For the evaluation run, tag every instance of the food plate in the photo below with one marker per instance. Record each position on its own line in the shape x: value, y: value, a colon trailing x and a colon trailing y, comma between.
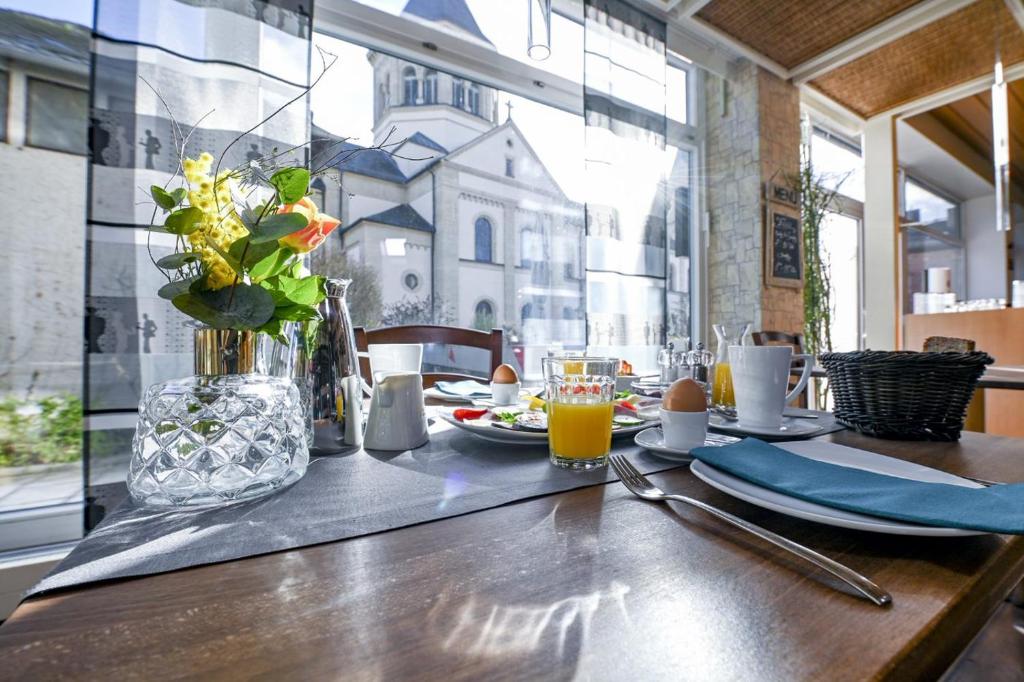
x: 654, y: 440
x: 435, y: 394
x: 487, y: 429
x: 843, y: 456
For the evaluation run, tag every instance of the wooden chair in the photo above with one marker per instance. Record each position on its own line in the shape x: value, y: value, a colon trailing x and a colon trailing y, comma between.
x: 425, y: 333
x: 796, y: 341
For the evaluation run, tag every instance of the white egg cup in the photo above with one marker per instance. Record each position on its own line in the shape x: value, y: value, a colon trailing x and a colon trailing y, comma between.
x: 684, y: 430
x: 505, y: 394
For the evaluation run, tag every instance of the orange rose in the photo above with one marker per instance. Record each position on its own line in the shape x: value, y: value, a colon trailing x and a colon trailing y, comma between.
x: 314, y: 233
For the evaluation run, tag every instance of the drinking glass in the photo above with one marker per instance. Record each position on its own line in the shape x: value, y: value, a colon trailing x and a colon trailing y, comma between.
x: 580, y: 395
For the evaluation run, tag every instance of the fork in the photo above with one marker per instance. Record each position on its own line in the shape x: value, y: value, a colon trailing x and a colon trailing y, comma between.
x: 640, y: 486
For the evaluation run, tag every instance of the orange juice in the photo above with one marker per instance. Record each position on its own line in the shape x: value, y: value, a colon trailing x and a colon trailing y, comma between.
x: 580, y: 430
x: 721, y: 389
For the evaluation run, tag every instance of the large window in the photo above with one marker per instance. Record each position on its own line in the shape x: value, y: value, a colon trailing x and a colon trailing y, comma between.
x: 491, y: 177
x: 57, y: 116
x: 838, y: 165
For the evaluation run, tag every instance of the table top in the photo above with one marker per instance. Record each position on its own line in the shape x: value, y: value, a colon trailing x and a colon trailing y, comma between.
x: 590, y: 583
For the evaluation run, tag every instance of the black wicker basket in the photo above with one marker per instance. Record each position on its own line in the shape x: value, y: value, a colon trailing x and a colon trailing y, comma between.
x: 904, y: 395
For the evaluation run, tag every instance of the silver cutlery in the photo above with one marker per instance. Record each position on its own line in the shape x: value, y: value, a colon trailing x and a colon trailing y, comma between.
x: 640, y: 486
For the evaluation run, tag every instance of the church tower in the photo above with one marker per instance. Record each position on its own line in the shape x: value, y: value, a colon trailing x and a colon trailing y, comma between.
x: 415, y: 99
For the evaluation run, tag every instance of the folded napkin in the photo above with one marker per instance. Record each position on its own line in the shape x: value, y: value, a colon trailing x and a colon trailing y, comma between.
x: 464, y: 389
x: 998, y: 509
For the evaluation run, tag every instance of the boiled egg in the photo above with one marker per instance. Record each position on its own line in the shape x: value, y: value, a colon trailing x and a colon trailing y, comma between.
x: 505, y: 374
x: 684, y: 395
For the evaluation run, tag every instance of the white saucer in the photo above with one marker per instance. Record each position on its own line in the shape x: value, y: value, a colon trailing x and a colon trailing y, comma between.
x: 654, y: 440
x: 791, y: 428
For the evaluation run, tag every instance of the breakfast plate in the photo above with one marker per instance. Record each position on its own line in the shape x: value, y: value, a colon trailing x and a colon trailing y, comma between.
x: 500, y: 432
x: 436, y: 394
x: 842, y: 456
x: 653, y: 440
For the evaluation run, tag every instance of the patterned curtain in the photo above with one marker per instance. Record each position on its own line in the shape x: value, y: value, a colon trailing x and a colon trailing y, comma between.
x: 159, y: 67
x: 626, y: 167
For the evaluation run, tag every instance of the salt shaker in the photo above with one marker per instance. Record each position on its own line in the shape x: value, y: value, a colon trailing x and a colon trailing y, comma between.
x: 667, y: 363
x: 700, y: 361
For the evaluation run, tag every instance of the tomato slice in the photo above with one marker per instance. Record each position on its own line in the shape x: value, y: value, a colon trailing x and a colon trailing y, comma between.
x: 464, y: 413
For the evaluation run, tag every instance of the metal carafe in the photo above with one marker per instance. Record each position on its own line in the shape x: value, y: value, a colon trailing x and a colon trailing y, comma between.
x: 336, y: 393
x: 324, y: 365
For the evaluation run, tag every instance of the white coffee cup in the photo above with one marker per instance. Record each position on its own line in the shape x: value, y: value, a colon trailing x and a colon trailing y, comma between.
x: 684, y: 430
x: 505, y: 394
x: 760, y: 377
x: 395, y: 357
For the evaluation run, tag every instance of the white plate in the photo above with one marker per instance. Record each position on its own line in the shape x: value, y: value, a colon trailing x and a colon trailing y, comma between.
x: 654, y: 440
x: 436, y: 394
x: 485, y: 429
x: 791, y: 428
x: 843, y: 456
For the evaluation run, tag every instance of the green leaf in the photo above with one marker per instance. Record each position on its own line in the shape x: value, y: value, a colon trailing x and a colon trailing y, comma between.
x: 163, y: 198
x: 254, y: 253
x: 177, y: 287
x: 184, y: 220
x: 291, y: 184
x: 177, y: 260
x: 305, y: 291
x: 296, y: 313
x: 275, y: 329
x: 270, y: 265
x: 178, y: 195
x: 275, y: 226
x: 248, y: 307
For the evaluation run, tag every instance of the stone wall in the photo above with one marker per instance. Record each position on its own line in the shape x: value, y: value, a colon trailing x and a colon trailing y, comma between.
x: 752, y: 134
x: 733, y: 180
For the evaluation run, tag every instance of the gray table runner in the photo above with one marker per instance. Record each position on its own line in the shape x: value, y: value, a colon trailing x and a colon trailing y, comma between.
x: 341, y: 496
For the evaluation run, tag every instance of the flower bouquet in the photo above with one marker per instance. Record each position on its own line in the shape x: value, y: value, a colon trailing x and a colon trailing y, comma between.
x: 230, y: 433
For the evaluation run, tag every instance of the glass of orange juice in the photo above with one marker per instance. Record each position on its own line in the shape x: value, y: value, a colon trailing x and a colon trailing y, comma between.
x: 580, y: 395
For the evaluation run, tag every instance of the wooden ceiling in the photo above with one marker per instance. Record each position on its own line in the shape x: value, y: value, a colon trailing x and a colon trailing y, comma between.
x: 964, y: 129
x: 878, y: 54
x: 955, y: 49
x: 791, y: 32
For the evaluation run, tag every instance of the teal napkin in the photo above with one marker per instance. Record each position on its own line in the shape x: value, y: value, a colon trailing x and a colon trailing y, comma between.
x: 464, y: 389
x: 998, y: 509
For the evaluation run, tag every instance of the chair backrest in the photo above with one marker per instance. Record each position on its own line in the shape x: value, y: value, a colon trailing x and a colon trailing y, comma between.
x: 775, y: 338
x: 427, y: 333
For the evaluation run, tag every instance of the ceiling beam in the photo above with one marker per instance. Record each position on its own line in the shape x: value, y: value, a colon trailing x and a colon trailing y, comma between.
x: 1016, y: 8
x: 907, y: 21
x: 688, y: 7
x: 935, y: 130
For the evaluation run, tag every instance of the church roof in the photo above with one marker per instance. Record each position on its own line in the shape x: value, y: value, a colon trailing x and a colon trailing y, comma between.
x: 402, y: 215
x: 424, y: 141
x: 376, y: 163
x: 452, y: 11
x: 34, y: 38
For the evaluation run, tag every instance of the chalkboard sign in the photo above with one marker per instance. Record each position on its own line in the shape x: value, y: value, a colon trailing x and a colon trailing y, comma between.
x: 784, y: 262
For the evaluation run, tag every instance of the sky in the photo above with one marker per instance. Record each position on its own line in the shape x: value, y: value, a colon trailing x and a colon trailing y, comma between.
x: 77, y: 11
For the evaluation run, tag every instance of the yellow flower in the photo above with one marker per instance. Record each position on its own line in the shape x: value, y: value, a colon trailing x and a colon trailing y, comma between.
x: 220, y: 226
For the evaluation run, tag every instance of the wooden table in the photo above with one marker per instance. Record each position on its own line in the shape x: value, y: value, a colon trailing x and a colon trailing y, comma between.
x: 592, y: 583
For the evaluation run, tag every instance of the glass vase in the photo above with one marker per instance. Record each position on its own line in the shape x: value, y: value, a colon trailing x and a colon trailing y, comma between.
x: 220, y: 436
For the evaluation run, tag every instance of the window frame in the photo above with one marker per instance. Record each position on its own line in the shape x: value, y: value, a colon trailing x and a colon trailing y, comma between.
x: 490, y: 238
x: 29, y: 79
x: 409, y: 77
x: 5, y: 102
x: 430, y: 78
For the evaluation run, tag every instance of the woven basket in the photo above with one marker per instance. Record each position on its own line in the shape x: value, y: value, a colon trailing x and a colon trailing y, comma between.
x: 904, y: 395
